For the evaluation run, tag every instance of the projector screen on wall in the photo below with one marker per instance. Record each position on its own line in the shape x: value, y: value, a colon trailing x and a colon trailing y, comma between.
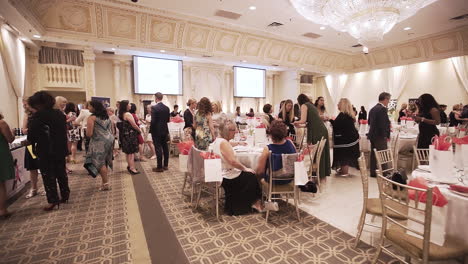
x: 249, y: 82
x: 153, y: 75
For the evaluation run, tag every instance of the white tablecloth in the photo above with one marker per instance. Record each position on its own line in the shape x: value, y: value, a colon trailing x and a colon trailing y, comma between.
x: 22, y: 175
x: 249, y: 158
x: 454, y: 215
x: 405, y: 142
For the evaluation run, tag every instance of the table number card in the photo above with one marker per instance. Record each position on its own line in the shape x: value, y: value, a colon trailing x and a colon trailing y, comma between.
x: 260, y: 135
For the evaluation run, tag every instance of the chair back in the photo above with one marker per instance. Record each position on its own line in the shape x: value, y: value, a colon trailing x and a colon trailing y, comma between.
x: 364, y: 178
x: 318, y: 154
x: 385, y: 161
x: 309, y: 158
x: 283, y: 174
x: 422, y: 156
x: 391, y: 202
x: 196, y: 165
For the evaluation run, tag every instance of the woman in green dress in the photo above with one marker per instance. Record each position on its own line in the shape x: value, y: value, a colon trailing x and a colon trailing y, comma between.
x: 203, y: 123
x: 101, y: 144
x: 7, y: 170
x: 315, y: 131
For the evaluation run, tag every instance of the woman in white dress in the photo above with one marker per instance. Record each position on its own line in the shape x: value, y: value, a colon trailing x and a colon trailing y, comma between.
x: 149, y: 139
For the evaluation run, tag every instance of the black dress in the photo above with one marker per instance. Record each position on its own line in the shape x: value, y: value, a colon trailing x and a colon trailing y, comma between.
x: 288, y: 122
x: 30, y: 163
x: 128, y: 138
x: 452, y: 121
x: 362, y: 115
x: 400, y: 115
x: 346, y: 142
x: 426, y: 132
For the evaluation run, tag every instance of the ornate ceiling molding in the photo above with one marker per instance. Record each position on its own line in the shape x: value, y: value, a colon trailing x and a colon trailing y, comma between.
x: 112, y: 22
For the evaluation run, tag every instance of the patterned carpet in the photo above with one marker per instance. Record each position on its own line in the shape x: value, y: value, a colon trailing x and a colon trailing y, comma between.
x: 94, y: 227
x: 248, y: 239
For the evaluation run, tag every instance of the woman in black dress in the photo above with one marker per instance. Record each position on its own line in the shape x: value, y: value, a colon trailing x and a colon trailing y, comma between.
x: 454, y: 116
x: 128, y: 132
x: 428, y: 118
x: 189, y: 116
x: 346, y: 139
x: 402, y: 112
x: 362, y: 114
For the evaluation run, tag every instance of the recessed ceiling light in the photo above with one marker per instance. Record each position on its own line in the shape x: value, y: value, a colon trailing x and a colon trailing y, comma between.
x: 23, y: 39
x: 37, y: 36
x: 252, y: 7
x: 407, y: 28
x: 113, y: 49
x: 244, y: 61
x: 162, y: 51
x: 322, y: 28
x: 407, y: 6
x: 302, y: 68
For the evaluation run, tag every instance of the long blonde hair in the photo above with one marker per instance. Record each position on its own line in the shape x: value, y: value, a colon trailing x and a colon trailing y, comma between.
x: 58, y: 101
x: 291, y: 112
x: 218, y: 105
x: 346, y: 107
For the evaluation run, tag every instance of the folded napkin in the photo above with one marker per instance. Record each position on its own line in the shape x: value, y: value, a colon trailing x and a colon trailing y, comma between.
x: 460, y: 141
x: 403, y: 118
x: 209, y: 155
x: 184, y: 147
x: 177, y: 119
x: 442, y: 142
x: 363, y: 122
x: 408, y: 119
x: 261, y: 126
x: 459, y: 188
x: 438, y: 199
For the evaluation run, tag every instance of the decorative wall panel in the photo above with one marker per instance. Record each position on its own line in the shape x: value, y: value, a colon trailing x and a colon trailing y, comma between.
x: 121, y: 24
x: 126, y: 25
x: 162, y: 30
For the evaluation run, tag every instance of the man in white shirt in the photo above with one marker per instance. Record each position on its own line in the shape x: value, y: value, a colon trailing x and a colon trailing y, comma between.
x: 82, y: 121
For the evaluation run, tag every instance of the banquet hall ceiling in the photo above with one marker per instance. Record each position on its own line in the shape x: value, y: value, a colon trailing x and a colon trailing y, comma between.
x: 126, y: 25
x: 432, y: 19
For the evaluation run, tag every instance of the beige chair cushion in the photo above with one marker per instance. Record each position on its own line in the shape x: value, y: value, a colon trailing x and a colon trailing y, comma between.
x: 281, y: 187
x: 375, y: 208
x: 450, y: 250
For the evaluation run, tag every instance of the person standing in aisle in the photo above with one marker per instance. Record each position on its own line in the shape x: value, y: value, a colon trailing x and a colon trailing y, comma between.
x: 379, y: 128
x: 160, y: 115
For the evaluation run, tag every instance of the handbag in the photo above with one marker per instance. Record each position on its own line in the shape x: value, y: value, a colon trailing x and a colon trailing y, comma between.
x: 400, y: 177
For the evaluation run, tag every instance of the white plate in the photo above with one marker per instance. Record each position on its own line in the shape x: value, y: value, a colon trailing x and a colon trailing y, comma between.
x: 443, y: 180
x: 459, y: 193
x: 424, y: 168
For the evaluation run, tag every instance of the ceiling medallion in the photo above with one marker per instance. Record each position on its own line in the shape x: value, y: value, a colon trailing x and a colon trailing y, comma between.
x: 366, y: 20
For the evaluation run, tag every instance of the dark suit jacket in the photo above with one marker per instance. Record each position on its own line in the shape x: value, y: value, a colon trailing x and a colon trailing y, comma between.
x: 379, y: 124
x: 160, y: 115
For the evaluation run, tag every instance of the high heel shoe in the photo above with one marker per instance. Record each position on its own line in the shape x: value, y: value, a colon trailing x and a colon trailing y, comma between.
x: 132, y: 172
x: 51, y: 207
x: 6, y: 216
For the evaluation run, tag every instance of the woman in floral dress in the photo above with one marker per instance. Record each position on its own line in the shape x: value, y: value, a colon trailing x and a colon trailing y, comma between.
x: 203, y: 123
x: 101, y: 144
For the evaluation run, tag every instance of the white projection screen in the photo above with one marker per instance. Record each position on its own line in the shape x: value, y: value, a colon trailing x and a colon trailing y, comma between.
x: 153, y: 75
x: 249, y: 82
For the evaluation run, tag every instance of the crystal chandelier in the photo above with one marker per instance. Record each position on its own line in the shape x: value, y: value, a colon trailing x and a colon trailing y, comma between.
x: 366, y: 20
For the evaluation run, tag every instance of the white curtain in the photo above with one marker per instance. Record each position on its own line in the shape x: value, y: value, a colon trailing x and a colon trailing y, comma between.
x: 397, y: 77
x: 461, y: 67
x: 335, y: 85
x: 14, y: 57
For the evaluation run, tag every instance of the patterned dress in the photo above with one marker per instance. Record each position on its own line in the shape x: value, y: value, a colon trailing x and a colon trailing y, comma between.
x: 73, y: 132
x: 101, y: 145
x: 128, y: 138
x: 203, y: 136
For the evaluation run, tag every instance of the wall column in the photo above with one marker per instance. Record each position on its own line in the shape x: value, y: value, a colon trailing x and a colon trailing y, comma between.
x: 128, y: 80
x: 89, y: 73
x: 117, y: 88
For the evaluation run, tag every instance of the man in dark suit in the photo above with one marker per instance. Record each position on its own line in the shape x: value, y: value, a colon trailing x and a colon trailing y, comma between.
x: 379, y: 128
x: 160, y: 115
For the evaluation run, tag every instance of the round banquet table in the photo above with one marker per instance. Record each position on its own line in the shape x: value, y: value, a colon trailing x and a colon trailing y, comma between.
x: 249, y: 156
x: 405, y: 142
x: 452, y: 217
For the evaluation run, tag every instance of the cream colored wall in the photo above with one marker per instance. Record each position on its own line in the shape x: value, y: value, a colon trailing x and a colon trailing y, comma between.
x: 104, y: 79
x: 8, y: 99
x: 214, y: 81
x: 436, y: 77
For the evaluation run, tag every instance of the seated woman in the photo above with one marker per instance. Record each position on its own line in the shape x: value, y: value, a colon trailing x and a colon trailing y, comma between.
x: 241, y: 187
x: 280, y: 145
x: 267, y: 117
